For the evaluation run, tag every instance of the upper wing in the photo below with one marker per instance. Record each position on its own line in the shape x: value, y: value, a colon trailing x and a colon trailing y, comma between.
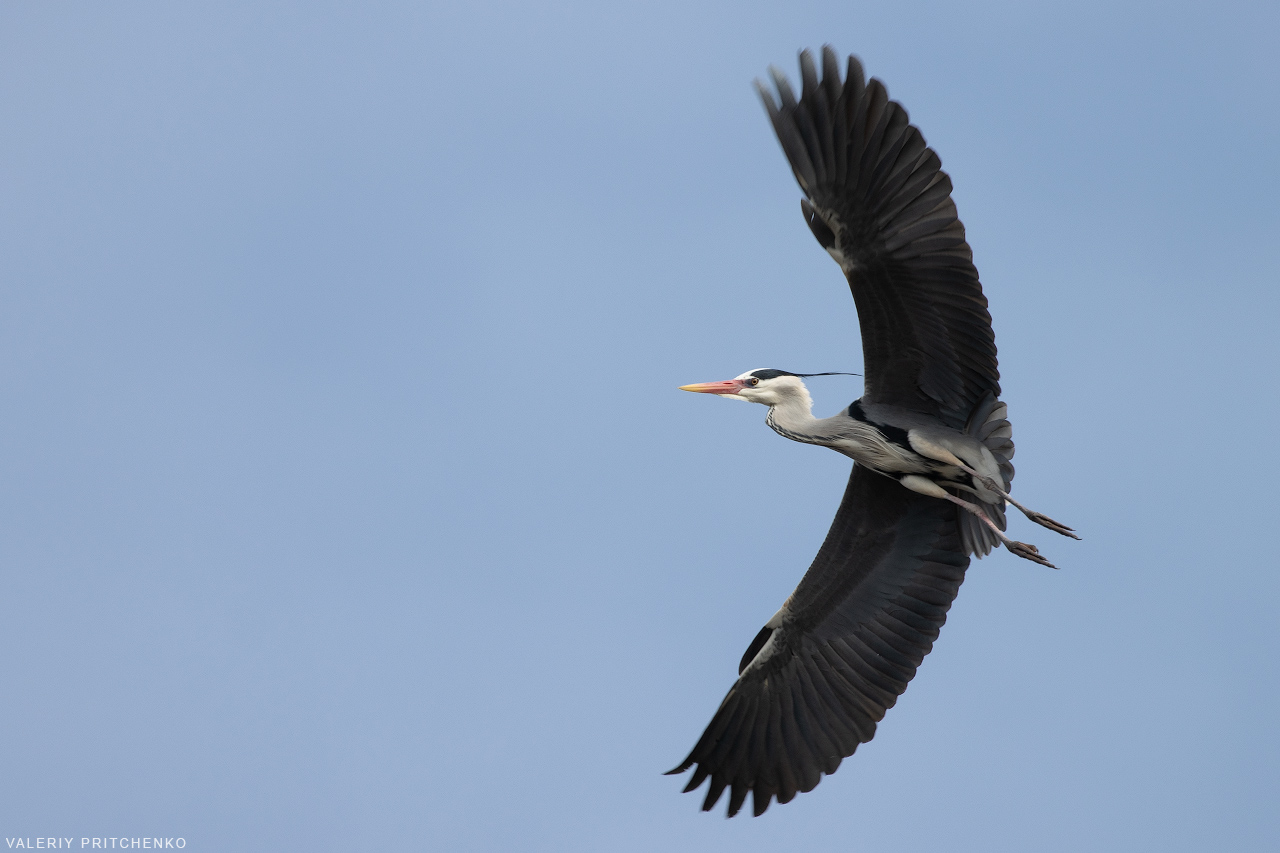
x: 842, y: 648
x: 881, y: 204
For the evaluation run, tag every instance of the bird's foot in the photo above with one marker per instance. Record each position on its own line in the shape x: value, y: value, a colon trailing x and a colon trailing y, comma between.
x: 1028, y: 552
x: 1045, y: 521
x: 990, y: 483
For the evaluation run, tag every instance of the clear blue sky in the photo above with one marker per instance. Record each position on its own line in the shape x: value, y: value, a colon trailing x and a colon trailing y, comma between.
x: 348, y: 501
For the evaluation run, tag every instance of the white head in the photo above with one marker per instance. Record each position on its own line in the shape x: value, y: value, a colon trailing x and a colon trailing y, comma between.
x: 765, y: 385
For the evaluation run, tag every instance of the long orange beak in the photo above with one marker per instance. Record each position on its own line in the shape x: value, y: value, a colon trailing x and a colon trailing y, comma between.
x: 729, y: 386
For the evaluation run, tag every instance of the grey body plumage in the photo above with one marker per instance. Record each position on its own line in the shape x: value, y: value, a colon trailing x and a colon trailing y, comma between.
x: 931, y: 443
x: 889, y: 440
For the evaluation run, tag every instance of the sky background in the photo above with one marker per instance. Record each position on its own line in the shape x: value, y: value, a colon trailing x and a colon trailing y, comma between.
x: 347, y: 501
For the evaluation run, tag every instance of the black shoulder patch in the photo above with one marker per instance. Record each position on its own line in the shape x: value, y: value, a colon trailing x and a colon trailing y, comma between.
x: 897, y: 435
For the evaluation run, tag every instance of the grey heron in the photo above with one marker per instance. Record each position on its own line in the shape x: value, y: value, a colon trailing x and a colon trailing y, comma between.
x: 930, y: 440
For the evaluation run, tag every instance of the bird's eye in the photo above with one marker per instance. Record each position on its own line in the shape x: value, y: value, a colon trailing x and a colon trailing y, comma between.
x: 753, y: 381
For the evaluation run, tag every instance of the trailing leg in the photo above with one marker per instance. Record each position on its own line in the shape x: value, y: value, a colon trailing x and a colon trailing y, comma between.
x: 935, y: 450
x: 925, y: 486
x: 1038, y: 517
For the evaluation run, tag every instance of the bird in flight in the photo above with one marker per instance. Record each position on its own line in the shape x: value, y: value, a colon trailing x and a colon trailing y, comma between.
x: 930, y: 440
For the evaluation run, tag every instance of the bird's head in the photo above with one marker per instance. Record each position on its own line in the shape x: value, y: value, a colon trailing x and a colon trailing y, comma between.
x: 767, y: 386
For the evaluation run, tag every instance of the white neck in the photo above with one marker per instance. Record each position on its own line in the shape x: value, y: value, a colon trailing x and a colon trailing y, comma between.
x: 792, y: 416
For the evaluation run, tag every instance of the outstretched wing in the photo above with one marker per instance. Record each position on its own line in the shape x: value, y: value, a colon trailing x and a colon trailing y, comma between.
x: 840, y: 652
x: 879, y: 201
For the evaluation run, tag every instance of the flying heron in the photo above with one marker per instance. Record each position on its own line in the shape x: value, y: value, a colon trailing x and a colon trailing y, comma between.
x: 930, y: 441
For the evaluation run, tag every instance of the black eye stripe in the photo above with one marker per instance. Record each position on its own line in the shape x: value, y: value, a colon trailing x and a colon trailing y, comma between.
x: 770, y: 374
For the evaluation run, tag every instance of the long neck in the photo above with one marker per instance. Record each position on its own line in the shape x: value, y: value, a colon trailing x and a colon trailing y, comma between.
x: 792, y: 416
